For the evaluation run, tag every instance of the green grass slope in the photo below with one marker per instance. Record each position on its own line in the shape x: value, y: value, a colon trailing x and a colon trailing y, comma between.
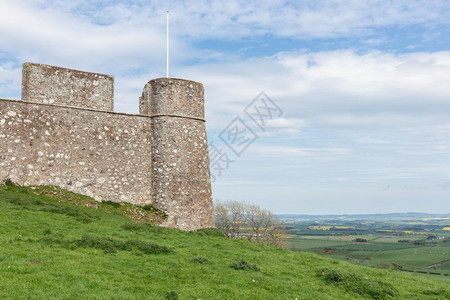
x: 59, y: 245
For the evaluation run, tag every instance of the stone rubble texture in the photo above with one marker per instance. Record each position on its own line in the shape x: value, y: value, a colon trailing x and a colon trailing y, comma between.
x: 180, y: 160
x: 159, y: 157
x: 55, y: 85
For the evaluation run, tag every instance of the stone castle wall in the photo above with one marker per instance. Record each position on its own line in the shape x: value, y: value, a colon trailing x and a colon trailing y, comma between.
x: 56, y: 85
x: 159, y: 157
x: 103, y: 155
x: 180, y: 159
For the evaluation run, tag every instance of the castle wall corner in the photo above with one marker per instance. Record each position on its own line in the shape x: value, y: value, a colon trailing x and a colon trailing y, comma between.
x: 181, y: 183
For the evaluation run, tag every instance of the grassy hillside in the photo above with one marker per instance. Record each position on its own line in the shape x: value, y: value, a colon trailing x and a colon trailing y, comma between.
x: 59, y: 245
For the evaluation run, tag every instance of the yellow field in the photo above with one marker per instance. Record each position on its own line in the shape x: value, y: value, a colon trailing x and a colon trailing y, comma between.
x: 431, y: 219
x: 329, y: 227
x: 319, y: 227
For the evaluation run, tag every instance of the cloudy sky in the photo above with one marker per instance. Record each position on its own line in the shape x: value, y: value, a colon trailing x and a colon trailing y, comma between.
x: 363, y: 88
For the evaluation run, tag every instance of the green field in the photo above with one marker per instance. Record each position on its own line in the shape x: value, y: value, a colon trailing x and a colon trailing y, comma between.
x: 303, y: 243
x: 395, y: 239
x: 439, y: 279
x: 340, y: 238
x: 381, y: 251
x: 413, y: 258
x: 373, y: 247
x: 54, y: 247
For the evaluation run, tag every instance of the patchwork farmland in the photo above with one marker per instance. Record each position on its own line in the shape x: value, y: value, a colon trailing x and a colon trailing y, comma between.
x: 417, y: 243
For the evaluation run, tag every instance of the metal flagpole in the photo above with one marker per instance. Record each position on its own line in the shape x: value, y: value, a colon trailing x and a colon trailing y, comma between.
x: 167, y: 44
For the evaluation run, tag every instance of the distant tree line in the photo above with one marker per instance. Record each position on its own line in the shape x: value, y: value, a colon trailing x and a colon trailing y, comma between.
x: 430, y: 240
x: 360, y: 240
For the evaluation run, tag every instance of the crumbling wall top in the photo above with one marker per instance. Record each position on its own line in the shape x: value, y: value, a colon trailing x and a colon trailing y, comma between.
x: 55, y: 85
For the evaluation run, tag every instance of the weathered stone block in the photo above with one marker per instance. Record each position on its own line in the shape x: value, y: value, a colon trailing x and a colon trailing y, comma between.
x: 55, y: 85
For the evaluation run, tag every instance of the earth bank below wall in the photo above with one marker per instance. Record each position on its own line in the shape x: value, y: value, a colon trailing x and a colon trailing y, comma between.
x: 104, y: 155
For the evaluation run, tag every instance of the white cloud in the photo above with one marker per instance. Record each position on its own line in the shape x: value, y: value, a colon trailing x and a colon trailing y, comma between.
x: 283, y: 127
x: 10, y: 81
x: 338, y: 89
x: 126, y: 39
x: 236, y: 19
x: 285, y: 123
x: 290, y: 152
x: 52, y: 35
x: 359, y: 117
x: 362, y: 120
x: 129, y: 34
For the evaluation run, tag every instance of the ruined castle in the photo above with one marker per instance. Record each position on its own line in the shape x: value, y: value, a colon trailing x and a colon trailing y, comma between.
x: 64, y: 132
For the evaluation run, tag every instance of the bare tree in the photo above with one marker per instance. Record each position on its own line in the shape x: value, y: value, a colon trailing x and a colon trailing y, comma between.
x: 260, y: 221
x: 230, y: 217
x: 222, y: 218
x: 236, y: 219
x: 237, y: 212
x: 277, y: 236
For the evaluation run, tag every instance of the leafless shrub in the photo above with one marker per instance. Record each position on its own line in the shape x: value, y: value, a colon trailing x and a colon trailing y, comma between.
x: 239, y: 220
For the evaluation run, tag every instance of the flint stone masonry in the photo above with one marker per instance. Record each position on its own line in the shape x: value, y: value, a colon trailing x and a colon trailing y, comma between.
x: 103, y: 155
x: 169, y: 97
x: 55, y: 85
x: 180, y: 159
x: 159, y: 157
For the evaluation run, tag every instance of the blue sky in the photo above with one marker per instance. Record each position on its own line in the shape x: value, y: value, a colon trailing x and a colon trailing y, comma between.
x: 363, y: 86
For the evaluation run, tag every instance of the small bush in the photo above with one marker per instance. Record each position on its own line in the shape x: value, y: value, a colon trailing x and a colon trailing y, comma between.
x: 436, y: 292
x: 435, y: 273
x: 52, y: 241
x: 211, y: 232
x: 361, y: 285
x: 29, y: 203
x: 149, y: 247
x: 9, y: 182
x: 200, y: 260
x: 110, y: 245
x: 150, y: 207
x: 244, y: 265
x: 171, y: 295
x: 40, y: 203
x: 111, y: 203
x: 72, y: 212
x: 18, y: 202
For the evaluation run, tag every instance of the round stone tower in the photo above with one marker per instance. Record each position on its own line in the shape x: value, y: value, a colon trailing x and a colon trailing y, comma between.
x: 181, y: 183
